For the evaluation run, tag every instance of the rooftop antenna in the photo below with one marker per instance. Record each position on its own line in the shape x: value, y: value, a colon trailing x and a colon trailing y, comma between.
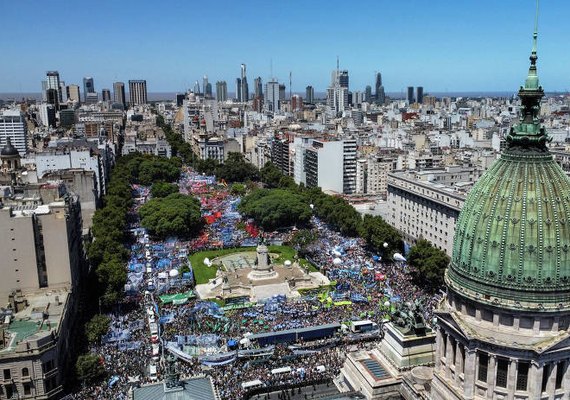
x: 337, y: 64
x: 271, y: 68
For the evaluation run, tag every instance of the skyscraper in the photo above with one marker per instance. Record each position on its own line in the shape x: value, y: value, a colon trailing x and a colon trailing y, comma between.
x: 106, y: 94
x: 204, y: 84
x: 244, y: 88
x: 119, y: 93
x: 137, y: 92
x: 62, y: 92
x: 419, y: 94
x: 309, y: 94
x: 13, y: 126
x: 208, y: 90
x: 337, y: 92
x: 258, y: 87
x: 272, y: 103
x: 378, y: 85
x: 410, y: 97
x: 368, y: 94
x: 221, y: 91
x: 282, y: 92
x: 343, y: 79
x: 88, y: 87
x: 238, y: 89
x: 196, y: 89
x: 53, y: 82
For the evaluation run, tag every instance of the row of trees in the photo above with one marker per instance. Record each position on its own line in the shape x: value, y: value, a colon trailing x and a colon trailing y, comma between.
x: 107, y: 252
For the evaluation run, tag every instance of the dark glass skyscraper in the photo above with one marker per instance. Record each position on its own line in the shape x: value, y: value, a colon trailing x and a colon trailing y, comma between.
x: 258, y: 87
x: 410, y: 96
x: 309, y: 94
x: 88, y: 87
x: 419, y: 94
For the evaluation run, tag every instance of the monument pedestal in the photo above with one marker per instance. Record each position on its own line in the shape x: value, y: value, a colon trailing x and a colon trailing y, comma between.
x: 405, y: 351
x: 262, y: 269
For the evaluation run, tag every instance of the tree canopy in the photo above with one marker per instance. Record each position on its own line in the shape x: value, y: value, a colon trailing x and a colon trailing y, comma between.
x: 236, y: 169
x: 174, y: 215
x: 97, y: 327
x: 163, y: 189
x: 89, y: 368
x: 276, y: 208
x: 428, y: 264
x: 376, y: 232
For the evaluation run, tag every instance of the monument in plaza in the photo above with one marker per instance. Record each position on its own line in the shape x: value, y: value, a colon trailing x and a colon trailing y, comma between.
x: 262, y: 268
x: 258, y: 274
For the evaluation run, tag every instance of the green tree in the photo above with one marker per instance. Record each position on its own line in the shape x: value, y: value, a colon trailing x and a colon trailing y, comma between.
x: 238, y: 189
x: 376, y: 232
x: 270, y: 175
x: 236, y: 169
x: 428, y: 264
x: 276, y: 208
x: 163, y: 189
x: 89, y: 368
x: 208, y: 166
x: 97, y: 327
x: 175, y: 215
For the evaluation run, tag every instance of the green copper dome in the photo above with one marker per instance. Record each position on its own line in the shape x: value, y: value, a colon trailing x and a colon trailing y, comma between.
x: 512, y: 240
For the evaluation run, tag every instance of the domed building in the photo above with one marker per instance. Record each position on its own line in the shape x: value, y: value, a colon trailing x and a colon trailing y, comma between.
x: 9, y: 157
x: 503, y: 329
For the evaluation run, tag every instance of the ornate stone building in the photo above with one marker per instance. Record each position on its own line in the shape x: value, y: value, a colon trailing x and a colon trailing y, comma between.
x: 503, y: 330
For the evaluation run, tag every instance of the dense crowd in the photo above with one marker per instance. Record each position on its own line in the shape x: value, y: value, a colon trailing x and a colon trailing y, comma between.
x: 364, y: 286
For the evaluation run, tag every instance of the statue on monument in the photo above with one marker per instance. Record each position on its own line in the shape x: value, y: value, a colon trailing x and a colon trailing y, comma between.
x: 409, y: 319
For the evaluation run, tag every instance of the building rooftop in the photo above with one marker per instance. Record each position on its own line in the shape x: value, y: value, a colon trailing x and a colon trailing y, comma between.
x: 42, y: 315
x: 191, y: 389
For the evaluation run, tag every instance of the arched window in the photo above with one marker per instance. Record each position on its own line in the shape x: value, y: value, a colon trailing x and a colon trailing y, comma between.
x: 25, y: 372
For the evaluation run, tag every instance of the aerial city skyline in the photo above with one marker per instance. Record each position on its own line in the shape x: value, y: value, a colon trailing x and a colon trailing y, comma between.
x: 391, y: 225
x: 436, y: 44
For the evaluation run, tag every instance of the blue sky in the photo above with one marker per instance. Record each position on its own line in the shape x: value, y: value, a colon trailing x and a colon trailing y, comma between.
x: 444, y: 45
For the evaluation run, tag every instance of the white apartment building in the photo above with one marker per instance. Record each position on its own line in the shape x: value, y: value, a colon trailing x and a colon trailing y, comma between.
x: 331, y: 165
x: 13, y: 125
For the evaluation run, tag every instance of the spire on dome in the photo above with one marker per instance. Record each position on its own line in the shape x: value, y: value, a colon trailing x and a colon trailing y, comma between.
x: 529, y: 134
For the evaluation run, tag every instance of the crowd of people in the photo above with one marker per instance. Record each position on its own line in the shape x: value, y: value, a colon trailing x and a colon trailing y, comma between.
x: 147, y: 324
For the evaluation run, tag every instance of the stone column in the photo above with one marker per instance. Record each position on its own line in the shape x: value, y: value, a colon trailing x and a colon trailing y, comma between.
x: 448, y: 358
x: 551, y: 384
x: 535, y: 381
x: 512, y: 378
x: 566, y: 382
x: 439, y: 346
x: 458, y: 363
x: 491, y: 373
x: 469, y: 373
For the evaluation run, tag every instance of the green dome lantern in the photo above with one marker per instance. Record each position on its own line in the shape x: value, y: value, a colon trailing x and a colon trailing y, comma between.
x: 512, y: 240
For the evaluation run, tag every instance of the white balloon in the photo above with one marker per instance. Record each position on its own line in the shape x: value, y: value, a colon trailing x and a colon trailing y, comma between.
x: 385, y: 245
x: 399, y: 257
x: 173, y: 273
x: 287, y: 263
x: 337, y: 261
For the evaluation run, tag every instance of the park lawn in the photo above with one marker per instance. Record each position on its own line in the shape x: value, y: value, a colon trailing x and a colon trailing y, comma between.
x: 203, y: 273
x: 288, y: 253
